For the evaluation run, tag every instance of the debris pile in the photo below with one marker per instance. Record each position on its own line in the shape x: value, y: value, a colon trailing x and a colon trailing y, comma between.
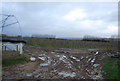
x: 61, y: 63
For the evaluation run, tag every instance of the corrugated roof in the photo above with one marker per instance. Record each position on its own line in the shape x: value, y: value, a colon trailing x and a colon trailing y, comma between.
x: 13, y: 40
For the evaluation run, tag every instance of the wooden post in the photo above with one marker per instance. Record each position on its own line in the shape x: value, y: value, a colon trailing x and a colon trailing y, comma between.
x: 5, y: 47
x: 17, y: 48
x: 21, y: 48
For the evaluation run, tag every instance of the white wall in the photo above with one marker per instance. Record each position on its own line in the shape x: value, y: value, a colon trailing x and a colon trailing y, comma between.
x: 13, y: 46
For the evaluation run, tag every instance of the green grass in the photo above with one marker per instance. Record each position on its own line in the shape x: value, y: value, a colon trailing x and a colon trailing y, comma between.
x: 69, y: 46
x: 65, y: 43
x: 111, y: 69
x: 0, y: 64
x: 13, y: 61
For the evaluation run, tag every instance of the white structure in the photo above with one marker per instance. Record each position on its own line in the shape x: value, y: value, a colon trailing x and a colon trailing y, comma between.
x: 13, y: 44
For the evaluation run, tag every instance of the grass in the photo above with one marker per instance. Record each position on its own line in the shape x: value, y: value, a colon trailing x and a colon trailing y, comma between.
x: 69, y: 46
x: 13, y: 59
x: 65, y: 43
x: 0, y: 63
x: 111, y: 69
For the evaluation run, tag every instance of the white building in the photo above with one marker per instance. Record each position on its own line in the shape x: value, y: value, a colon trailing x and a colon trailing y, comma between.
x: 12, y: 44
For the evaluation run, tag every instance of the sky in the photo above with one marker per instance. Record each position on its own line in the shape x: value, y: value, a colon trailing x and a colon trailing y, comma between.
x: 63, y: 19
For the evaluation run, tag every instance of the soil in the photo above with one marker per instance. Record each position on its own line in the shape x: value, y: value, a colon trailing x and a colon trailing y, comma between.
x: 59, y: 63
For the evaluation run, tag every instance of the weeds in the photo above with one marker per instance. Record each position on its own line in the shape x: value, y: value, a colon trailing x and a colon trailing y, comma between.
x: 64, y: 43
x: 111, y: 69
x: 13, y: 59
x: 68, y: 46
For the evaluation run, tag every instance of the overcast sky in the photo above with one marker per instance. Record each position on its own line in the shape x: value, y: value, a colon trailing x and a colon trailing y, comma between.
x: 64, y: 19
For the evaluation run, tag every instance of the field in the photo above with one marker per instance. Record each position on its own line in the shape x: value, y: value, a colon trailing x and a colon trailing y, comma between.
x: 76, y: 44
x: 64, y: 59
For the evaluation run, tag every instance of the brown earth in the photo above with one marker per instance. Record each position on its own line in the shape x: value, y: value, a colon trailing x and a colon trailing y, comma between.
x: 62, y: 63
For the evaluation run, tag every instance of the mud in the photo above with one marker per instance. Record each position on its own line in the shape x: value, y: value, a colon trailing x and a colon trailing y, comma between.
x: 62, y: 63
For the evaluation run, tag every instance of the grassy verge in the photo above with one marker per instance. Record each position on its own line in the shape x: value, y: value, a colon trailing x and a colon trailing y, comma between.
x: 13, y: 59
x: 111, y: 69
x: 69, y: 46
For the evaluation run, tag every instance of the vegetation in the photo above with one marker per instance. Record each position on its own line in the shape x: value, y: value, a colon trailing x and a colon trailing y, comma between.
x: 12, y: 58
x: 97, y: 40
x: 64, y: 43
x: 0, y: 62
x: 111, y: 69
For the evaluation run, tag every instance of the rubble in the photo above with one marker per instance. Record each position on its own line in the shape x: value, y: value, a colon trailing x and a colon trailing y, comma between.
x: 32, y: 58
x: 42, y: 58
x: 67, y: 74
x: 93, y: 60
x: 81, y: 57
x: 52, y: 52
x: 89, y: 59
x: 75, y: 58
x: 44, y: 64
x: 47, y: 62
x: 55, y: 63
x: 96, y: 53
x: 29, y: 74
x: 95, y: 65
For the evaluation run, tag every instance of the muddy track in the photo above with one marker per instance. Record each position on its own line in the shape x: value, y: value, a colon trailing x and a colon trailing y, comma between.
x: 60, y: 63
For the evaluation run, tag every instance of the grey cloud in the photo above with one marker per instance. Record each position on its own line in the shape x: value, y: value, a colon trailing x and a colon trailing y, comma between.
x: 45, y: 18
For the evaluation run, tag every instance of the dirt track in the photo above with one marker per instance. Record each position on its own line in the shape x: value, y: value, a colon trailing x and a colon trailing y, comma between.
x: 60, y: 63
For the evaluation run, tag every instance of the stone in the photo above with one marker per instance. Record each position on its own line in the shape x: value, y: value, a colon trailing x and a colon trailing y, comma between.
x: 75, y: 58
x: 67, y: 74
x: 32, y: 58
x: 42, y: 58
x: 52, y: 52
x: 29, y: 74
x: 95, y: 65
x: 93, y: 60
x: 89, y: 59
x: 96, y: 53
x: 81, y: 57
